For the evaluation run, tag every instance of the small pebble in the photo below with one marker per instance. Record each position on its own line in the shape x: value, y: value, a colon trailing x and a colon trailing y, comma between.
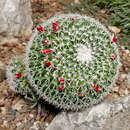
x: 103, y: 11
x: 24, y: 43
x: 18, y: 124
x: 31, y: 116
x: 115, y: 89
x: 127, y: 51
x: 3, y: 110
x: 12, y: 112
x: 19, y: 105
x: 121, y: 92
x: 128, y: 78
x: 115, y: 96
x: 126, y: 92
x: 46, y: 124
x: 128, y: 86
x: 123, y: 76
x: 5, y: 124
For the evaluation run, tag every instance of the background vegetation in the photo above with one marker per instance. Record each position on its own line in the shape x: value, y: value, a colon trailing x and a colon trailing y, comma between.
x: 117, y: 14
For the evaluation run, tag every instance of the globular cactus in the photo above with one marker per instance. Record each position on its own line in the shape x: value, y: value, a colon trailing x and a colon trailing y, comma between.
x: 17, y: 78
x: 72, y: 61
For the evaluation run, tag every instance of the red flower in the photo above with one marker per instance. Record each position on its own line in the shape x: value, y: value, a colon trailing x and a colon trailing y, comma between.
x: 55, y: 23
x: 61, y: 80
x: 112, y: 57
x: 55, y: 27
x: 114, y: 39
x: 79, y: 92
x: 46, y: 42
x: 19, y: 75
x: 46, y: 51
x: 48, y: 63
x: 73, y: 18
x: 97, y: 88
x: 41, y: 29
x: 60, y: 88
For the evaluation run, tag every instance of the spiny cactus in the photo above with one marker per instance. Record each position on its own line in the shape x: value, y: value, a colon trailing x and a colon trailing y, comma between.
x: 72, y: 61
x: 17, y: 78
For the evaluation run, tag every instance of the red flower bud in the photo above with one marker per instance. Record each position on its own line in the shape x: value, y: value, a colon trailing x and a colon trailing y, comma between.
x: 97, y: 88
x: 61, y: 80
x: 19, y: 75
x: 46, y: 51
x: 55, y: 27
x: 112, y: 57
x: 41, y: 29
x: 60, y: 88
x: 55, y: 23
x: 48, y: 63
x: 114, y: 39
x: 73, y: 18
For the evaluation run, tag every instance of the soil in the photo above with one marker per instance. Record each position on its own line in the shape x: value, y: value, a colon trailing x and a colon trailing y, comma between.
x: 14, y: 110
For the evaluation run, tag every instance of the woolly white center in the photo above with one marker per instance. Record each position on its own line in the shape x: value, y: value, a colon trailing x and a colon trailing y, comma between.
x: 84, y: 54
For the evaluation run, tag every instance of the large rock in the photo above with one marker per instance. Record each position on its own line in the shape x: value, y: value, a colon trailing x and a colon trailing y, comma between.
x: 15, y: 17
x: 120, y: 121
x: 99, y: 117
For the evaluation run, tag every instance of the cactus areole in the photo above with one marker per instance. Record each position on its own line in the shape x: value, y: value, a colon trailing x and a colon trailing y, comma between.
x: 79, y: 71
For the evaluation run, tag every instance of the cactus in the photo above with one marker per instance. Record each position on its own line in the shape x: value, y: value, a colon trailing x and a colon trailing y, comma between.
x: 17, y: 78
x: 72, y: 61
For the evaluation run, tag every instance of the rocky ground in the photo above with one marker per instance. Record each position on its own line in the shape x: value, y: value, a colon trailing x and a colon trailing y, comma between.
x: 14, y: 110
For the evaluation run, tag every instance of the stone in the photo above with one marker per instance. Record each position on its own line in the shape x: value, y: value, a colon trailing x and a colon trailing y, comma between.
x: 77, y: 1
x: 103, y: 11
x: 12, y: 112
x: 2, y: 72
x: 31, y: 116
x: 46, y: 124
x: 126, y: 92
x: 115, y: 95
x: 128, y: 78
x: 3, y: 110
x: 97, y: 117
x: 35, y: 126
x: 21, y: 127
x: 118, y: 122
x: 127, y: 51
x: 123, y: 76
x: 115, y: 89
x: 5, y: 124
x: 28, y: 124
x: 121, y: 79
x: 114, y: 29
x: 18, y: 124
x: 15, y: 18
x: 128, y: 86
x: 46, y: 1
x: 121, y: 92
x: 19, y: 105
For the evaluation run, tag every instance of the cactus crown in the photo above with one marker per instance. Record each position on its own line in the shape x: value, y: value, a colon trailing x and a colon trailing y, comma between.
x: 72, y: 61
